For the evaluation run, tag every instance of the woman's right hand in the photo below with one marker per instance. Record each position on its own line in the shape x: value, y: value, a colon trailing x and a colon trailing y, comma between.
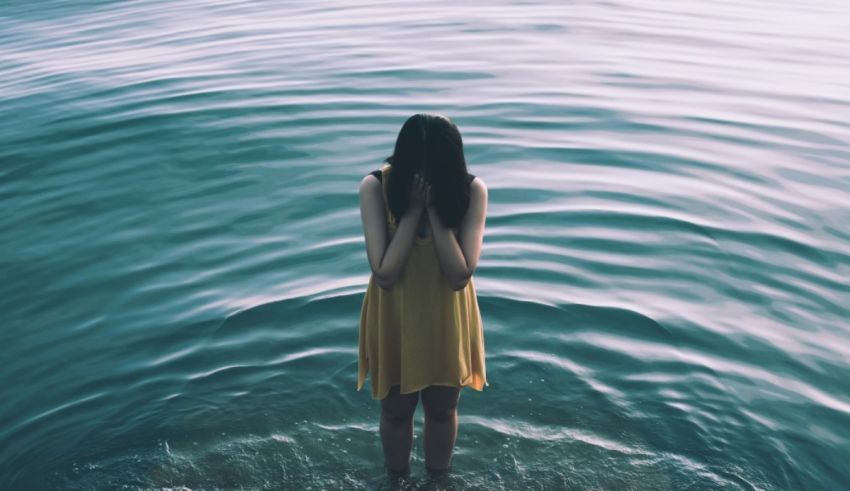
x: 418, y: 192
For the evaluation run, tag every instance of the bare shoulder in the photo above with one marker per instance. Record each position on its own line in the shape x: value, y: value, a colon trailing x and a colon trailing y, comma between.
x: 369, y: 184
x: 478, y: 189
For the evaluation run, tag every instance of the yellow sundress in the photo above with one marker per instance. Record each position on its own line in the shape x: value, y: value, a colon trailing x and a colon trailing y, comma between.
x: 421, y: 332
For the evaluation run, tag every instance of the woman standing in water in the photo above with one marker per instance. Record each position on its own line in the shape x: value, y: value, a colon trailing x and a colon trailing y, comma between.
x: 420, y: 328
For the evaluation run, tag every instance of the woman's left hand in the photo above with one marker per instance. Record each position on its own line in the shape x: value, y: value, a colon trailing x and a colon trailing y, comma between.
x: 429, y: 198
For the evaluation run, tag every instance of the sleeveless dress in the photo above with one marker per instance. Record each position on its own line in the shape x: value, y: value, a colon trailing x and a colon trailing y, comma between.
x: 421, y: 332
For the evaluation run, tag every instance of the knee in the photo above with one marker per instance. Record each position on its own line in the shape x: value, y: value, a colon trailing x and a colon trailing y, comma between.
x: 397, y: 416
x: 397, y: 409
x: 443, y: 416
x: 441, y: 413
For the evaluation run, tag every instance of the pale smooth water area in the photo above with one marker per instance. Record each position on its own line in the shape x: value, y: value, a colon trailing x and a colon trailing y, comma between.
x: 663, y: 285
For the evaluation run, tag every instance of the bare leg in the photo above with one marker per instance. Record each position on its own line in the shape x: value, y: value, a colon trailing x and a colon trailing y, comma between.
x: 396, y: 428
x: 440, y: 403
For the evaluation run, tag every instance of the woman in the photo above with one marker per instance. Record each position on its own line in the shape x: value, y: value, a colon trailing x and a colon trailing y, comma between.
x: 420, y: 327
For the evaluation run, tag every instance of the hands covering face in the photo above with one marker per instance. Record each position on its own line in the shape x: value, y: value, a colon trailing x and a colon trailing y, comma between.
x: 420, y: 192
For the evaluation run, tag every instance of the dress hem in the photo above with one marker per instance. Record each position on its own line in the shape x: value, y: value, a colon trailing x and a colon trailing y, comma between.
x: 476, y: 387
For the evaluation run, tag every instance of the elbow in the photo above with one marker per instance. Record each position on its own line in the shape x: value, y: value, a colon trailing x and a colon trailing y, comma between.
x: 384, y: 282
x: 458, y: 286
x: 383, y: 278
x: 459, y: 283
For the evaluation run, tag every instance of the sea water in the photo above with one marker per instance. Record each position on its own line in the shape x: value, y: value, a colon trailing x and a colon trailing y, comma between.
x: 663, y: 283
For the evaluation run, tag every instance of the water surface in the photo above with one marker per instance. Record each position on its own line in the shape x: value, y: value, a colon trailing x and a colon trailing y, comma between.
x: 663, y: 284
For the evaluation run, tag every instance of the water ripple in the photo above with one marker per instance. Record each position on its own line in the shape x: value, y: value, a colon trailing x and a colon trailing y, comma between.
x: 664, y: 276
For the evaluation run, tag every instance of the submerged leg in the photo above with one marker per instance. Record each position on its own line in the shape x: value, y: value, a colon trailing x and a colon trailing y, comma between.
x: 397, y: 428
x: 440, y: 403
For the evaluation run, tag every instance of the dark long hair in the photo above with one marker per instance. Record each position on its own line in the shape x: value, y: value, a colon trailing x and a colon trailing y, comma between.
x: 431, y: 145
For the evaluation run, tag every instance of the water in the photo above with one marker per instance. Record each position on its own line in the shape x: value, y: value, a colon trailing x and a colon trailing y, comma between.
x: 664, y: 280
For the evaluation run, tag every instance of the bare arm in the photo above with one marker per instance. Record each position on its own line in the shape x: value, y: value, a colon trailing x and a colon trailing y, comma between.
x: 458, y: 257
x: 386, y: 260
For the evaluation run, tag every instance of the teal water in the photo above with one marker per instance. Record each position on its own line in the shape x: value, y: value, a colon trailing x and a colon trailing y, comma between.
x: 663, y: 284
